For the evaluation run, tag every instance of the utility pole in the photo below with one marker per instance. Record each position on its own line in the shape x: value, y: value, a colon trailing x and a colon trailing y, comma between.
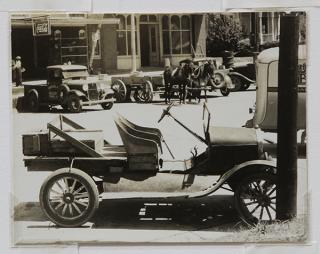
x: 286, y: 202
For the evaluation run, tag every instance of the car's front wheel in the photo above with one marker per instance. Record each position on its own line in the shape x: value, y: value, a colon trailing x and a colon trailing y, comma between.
x: 33, y: 102
x: 255, y: 197
x: 74, y: 103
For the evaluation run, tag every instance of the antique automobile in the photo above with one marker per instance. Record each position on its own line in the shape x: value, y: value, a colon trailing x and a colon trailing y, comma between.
x: 242, y: 75
x: 83, y: 165
x: 69, y: 86
x: 266, y: 105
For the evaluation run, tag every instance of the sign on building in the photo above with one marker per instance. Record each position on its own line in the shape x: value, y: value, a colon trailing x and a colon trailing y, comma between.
x: 41, y: 26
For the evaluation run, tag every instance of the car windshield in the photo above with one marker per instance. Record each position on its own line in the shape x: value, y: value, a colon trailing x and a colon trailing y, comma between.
x: 75, y: 74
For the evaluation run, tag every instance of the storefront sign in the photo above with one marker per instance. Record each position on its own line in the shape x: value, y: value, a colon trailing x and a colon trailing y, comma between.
x: 41, y: 27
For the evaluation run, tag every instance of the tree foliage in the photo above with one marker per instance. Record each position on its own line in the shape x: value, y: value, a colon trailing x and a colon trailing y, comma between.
x: 224, y: 33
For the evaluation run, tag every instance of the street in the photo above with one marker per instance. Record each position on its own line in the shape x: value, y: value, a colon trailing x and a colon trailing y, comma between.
x: 122, y: 217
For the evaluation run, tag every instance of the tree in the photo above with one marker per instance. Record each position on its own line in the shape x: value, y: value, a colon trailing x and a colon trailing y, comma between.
x: 224, y: 33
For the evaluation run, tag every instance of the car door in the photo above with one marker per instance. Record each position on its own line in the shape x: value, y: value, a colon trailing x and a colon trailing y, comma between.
x: 53, y: 84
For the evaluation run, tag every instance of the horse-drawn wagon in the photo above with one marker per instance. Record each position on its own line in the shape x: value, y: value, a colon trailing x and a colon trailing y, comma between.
x: 81, y: 161
x: 188, y: 80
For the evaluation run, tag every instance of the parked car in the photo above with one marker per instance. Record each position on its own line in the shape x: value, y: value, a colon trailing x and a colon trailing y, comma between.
x: 242, y: 75
x: 80, y: 160
x: 69, y: 86
x: 266, y: 106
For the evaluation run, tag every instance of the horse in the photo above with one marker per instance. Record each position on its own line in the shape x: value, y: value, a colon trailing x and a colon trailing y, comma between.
x: 180, y: 76
x: 199, y: 79
x: 191, y: 80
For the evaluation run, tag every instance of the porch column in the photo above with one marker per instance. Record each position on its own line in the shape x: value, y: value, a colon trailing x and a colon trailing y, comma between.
x: 260, y: 28
x: 272, y: 27
x: 133, y: 44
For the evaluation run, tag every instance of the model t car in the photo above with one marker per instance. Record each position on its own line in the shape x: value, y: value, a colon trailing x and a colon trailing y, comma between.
x: 81, y: 161
x: 69, y: 86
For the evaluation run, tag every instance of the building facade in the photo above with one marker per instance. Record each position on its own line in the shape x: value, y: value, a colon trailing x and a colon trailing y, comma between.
x: 103, y: 41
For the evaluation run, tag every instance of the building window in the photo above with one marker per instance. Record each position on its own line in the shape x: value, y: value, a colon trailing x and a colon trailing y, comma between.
x: 176, y: 34
x: 148, y: 18
x: 96, y: 46
x: 124, y: 35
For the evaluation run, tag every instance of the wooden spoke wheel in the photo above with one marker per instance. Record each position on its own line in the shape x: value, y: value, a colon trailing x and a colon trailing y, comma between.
x: 120, y: 90
x: 144, y: 93
x: 69, y: 198
x: 255, y: 198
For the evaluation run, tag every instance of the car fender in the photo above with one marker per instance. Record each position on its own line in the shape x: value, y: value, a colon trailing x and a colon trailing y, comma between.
x: 228, y: 82
x: 78, y: 93
x: 241, y: 168
x: 242, y: 77
x: 33, y: 91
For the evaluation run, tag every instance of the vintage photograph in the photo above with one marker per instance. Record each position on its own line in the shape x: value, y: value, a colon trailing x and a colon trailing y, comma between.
x: 159, y: 128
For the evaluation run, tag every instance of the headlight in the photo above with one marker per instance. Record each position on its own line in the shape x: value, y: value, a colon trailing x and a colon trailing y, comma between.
x: 85, y: 87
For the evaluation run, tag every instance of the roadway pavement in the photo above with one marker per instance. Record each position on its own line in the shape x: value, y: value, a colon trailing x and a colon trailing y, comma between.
x: 122, y: 217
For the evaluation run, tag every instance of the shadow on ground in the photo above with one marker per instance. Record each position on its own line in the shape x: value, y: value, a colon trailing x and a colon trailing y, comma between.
x: 214, y: 213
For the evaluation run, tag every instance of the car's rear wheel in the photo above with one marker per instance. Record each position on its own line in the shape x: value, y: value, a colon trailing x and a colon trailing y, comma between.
x: 237, y: 83
x: 107, y: 105
x: 33, y: 104
x: 74, y: 103
x: 225, y: 91
x: 69, y: 197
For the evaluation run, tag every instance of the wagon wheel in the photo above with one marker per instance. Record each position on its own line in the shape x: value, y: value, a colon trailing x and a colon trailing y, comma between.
x: 120, y: 90
x: 237, y: 83
x: 69, y: 198
x: 145, y: 93
x: 255, y: 198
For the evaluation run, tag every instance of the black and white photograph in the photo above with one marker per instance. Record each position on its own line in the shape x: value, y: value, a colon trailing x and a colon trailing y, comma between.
x: 159, y: 128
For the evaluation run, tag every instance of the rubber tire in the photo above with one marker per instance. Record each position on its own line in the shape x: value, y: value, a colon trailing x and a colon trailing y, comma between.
x: 63, y: 91
x: 241, y: 209
x: 107, y: 105
x: 85, y: 180
x: 33, y: 104
x: 78, y: 102
x: 237, y: 83
x: 245, y: 86
x: 225, y: 91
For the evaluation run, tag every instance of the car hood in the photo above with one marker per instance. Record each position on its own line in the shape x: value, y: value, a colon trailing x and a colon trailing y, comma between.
x: 229, y: 136
x: 85, y: 81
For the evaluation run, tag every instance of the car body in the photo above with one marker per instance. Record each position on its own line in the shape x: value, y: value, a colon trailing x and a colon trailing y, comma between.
x: 266, y: 106
x: 80, y: 161
x: 69, y: 86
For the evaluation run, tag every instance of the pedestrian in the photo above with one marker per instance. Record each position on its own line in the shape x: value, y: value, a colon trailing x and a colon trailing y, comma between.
x: 18, y: 71
x: 13, y: 71
x: 167, y: 84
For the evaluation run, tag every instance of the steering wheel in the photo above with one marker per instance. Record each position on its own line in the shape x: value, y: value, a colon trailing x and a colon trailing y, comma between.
x: 165, y: 112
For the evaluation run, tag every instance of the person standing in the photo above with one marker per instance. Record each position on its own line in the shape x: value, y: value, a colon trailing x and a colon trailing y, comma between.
x: 18, y: 71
